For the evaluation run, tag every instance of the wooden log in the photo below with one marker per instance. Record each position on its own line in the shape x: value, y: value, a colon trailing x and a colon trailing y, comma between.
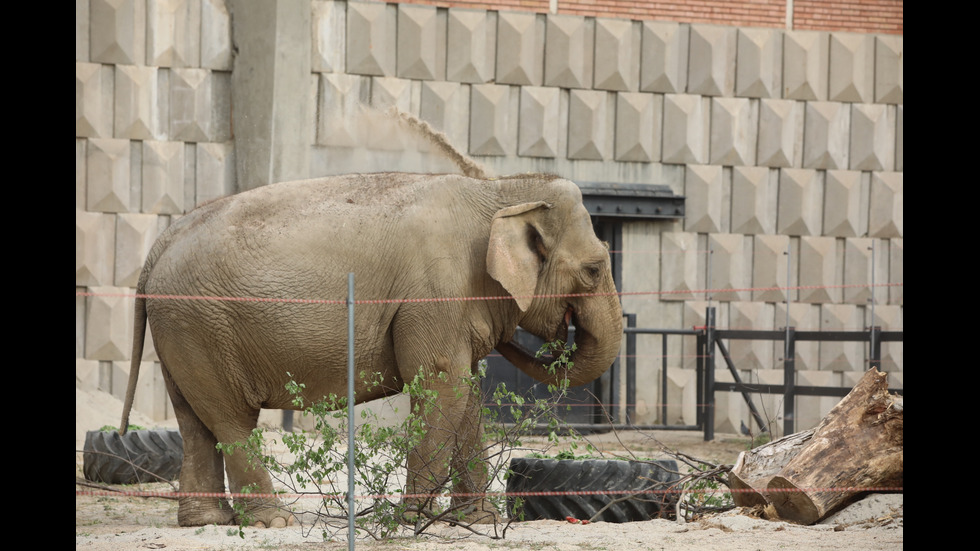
x: 753, y: 469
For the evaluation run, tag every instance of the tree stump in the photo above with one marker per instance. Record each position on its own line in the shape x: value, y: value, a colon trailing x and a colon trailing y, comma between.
x: 855, y: 449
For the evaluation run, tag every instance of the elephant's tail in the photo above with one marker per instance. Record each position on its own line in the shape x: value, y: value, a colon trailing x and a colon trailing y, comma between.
x: 139, y: 335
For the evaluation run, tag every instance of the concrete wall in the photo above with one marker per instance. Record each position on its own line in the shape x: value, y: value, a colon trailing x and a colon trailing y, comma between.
x: 788, y: 145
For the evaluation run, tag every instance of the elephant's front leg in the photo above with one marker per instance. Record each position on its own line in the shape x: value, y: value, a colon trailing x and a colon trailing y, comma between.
x: 470, y: 466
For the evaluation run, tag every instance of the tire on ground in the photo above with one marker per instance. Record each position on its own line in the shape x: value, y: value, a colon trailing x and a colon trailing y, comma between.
x: 599, y: 483
x: 113, y: 459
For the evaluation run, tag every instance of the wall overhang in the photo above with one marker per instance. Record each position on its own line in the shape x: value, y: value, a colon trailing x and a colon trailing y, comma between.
x: 632, y: 201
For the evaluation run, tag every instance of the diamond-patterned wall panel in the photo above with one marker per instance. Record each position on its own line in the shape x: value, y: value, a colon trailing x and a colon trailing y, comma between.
x: 851, y: 67
x: 885, y: 217
x: 842, y: 214
x: 803, y: 317
x: 663, y: 58
x: 617, y: 55
x: 569, y: 47
x: 859, y: 266
x: 818, y: 270
x: 685, y: 137
x: 421, y: 42
x: 94, y: 248
x: 639, y: 122
x: 109, y: 323
x: 753, y: 200
x: 214, y: 171
x: 473, y: 40
x: 163, y: 178
x: 338, y: 107
x: 734, y: 127
x: 137, y: 103
x: 900, y: 138
x: 896, y: 271
x: 679, y: 268
x: 93, y: 100
x: 135, y: 234
x: 704, y: 189
x: 810, y: 410
x: 445, y: 106
x: 890, y: 318
x: 589, y: 125
x: 107, y: 164
x: 151, y: 392
x: 173, y: 33
x: 841, y: 355
x: 806, y: 58
x: 388, y: 92
x: 520, y: 48
x: 711, y: 69
x: 889, y: 69
x: 780, y: 133
x: 749, y: 353
x: 872, y: 136
x: 800, y: 202
x: 216, y: 35
x: 371, y: 38
x: 191, y: 105
x: 81, y: 30
x: 493, y: 130
x: 759, y: 63
x: 769, y: 268
x: 329, y: 36
x: 117, y: 31
x: 539, y: 121
x: 730, y: 266
x: 826, y: 135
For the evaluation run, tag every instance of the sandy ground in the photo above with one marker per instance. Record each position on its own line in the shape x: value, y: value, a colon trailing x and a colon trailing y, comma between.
x: 115, y: 523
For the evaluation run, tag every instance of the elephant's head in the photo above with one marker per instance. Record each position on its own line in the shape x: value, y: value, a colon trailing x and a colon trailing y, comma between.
x: 545, y: 253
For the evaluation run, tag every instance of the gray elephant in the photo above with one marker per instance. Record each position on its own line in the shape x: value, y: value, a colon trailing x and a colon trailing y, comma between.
x: 527, y: 238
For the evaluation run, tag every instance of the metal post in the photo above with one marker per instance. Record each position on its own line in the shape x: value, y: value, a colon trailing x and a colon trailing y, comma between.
x: 350, y: 411
x: 875, y: 345
x: 709, y: 374
x: 789, y: 357
x: 630, y: 370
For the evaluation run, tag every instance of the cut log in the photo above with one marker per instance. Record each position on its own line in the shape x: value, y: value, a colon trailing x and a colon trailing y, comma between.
x: 855, y: 449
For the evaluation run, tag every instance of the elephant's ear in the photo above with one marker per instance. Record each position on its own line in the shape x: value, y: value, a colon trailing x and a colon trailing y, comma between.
x: 514, y: 257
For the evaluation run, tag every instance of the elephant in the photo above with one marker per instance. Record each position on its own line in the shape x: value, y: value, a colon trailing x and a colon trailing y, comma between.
x: 523, y: 242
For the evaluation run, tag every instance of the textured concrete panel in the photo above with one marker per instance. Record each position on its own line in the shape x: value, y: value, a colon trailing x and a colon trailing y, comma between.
x: 780, y: 133
x: 445, y: 106
x: 191, y: 104
x: 493, y: 130
x: 117, y: 31
x: 216, y: 35
x: 896, y: 271
x: 704, y: 189
x: 109, y: 323
x: 173, y: 33
x: 734, y: 130
x: 890, y: 318
x: 842, y: 355
x: 819, y: 264
x: 520, y: 48
x: 80, y: 173
x: 750, y: 353
x: 900, y: 139
x: 682, y: 401
x: 388, y: 92
x: 886, y: 218
x: 539, y: 121
x: 135, y: 234
x: 107, y: 175
x: 851, y: 67
x: 472, y: 34
x: 86, y: 373
x: 151, y: 397
x: 810, y: 410
x: 94, y: 248
x: 663, y: 58
x: 769, y: 255
x: 82, y: 44
x: 730, y: 266
x: 686, y: 120
x: 711, y: 70
x: 569, y: 47
x: 843, y: 203
x: 800, y: 202
x: 329, y: 36
x: 639, y: 122
x: 589, y: 128
x: 753, y: 200
x: 859, y: 265
x: 137, y: 103
x: 806, y: 62
x: 338, y: 107
x: 889, y: 69
x: 826, y: 135
x: 872, y: 136
x: 679, y: 267
x: 371, y: 38
x: 617, y: 55
x: 215, y: 171
x: 93, y: 100
x: 759, y: 69
x: 163, y: 178
x: 421, y: 42
x: 803, y: 317
x: 694, y: 316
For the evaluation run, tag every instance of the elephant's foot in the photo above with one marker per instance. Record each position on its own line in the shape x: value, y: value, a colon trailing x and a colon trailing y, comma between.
x: 266, y: 513
x: 194, y: 511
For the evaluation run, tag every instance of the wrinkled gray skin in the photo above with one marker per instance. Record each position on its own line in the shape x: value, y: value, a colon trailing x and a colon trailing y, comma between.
x: 405, y: 236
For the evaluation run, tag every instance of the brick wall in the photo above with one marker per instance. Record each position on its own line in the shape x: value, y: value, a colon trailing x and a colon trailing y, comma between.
x: 863, y: 16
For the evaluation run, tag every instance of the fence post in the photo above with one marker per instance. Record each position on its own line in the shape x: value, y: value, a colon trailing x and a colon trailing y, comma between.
x: 630, y: 370
x: 709, y: 374
x: 789, y: 382
x: 350, y: 412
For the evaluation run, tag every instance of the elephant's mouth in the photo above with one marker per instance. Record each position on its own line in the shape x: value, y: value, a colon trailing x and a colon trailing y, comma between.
x: 561, y: 332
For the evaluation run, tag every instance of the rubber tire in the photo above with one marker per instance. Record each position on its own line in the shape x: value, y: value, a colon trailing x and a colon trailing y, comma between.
x: 159, y: 451
x: 594, y: 475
